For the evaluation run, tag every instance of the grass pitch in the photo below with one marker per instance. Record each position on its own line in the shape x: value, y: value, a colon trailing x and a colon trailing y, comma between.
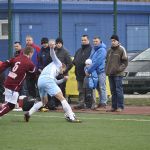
x: 50, y: 131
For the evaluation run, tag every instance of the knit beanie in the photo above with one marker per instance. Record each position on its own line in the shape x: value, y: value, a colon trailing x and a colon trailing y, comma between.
x: 44, y: 40
x: 115, y: 37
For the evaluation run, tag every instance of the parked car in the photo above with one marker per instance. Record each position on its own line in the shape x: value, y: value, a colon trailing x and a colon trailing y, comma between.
x: 137, y: 74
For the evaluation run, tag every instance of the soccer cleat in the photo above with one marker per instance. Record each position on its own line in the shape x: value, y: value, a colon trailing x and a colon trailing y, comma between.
x: 26, y: 117
x: 71, y: 120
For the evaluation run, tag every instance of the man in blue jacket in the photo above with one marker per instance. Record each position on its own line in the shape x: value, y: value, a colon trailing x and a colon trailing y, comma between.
x: 98, y: 57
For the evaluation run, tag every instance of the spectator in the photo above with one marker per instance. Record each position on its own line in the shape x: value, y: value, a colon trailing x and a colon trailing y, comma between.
x: 98, y: 57
x: 19, y: 67
x: 64, y: 56
x: 47, y: 84
x: 44, y: 59
x: 31, y: 82
x: 90, y: 83
x: 18, y: 49
x: 116, y: 62
x: 44, y: 55
x: 79, y: 61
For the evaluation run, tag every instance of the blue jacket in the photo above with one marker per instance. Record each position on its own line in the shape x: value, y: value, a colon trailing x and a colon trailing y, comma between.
x: 98, y: 57
x: 92, y: 80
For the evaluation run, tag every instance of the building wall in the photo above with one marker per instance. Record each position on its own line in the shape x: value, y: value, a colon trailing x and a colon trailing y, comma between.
x: 88, y: 18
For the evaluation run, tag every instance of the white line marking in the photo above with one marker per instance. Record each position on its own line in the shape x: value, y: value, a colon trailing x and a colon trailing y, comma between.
x: 87, y: 118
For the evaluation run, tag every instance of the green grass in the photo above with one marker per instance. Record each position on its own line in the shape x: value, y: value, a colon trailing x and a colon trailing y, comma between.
x: 49, y: 131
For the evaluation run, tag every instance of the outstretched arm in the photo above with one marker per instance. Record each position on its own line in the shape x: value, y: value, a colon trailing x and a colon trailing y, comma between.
x: 53, y: 54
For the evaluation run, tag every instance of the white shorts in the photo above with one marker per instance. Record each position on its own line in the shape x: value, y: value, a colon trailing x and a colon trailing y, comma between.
x: 11, y: 96
x: 47, y: 87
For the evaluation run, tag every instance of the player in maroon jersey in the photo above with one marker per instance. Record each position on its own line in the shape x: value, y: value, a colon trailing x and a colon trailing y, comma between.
x: 20, y: 66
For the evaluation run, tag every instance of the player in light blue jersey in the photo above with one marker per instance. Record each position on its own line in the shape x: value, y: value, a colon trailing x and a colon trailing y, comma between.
x: 48, y: 84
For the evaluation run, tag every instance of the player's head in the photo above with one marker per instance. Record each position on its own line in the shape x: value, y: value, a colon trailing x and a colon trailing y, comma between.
x: 28, y: 51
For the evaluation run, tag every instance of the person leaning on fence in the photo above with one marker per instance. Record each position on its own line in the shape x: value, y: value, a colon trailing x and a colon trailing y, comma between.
x: 116, y: 62
x: 90, y: 83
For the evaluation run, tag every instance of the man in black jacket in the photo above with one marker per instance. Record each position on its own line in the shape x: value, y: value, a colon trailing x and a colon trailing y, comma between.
x: 79, y: 61
x: 64, y: 56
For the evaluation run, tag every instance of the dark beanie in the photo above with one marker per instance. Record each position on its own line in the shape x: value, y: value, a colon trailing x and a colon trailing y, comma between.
x: 44, y: 40
x: 115, y: 37
x: 59, y: 40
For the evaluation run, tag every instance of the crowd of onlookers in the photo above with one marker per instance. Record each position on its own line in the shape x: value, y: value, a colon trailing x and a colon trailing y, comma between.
x: 92, y: 61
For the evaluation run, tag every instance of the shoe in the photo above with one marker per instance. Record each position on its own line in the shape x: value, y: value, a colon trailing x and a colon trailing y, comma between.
x: 119, y: 110
x: 26, y: 117
x: 44, y: 109
x: 101, y: 106
x: 71, y: 120
x: 79, y: 107
x: 111, y: 110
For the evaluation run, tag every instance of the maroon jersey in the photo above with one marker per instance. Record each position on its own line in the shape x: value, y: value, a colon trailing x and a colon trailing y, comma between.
x: 20, y: 66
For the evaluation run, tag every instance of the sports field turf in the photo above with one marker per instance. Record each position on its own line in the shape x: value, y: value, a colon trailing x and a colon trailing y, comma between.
x: 50, y: 131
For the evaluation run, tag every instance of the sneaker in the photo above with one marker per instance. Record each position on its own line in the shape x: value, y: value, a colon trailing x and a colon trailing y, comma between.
x: 26, y: 117
x: 119, y: 110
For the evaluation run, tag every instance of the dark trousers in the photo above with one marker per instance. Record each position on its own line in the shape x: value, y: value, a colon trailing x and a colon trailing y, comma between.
x: 89, y: 98
x: 31, y: 86
x: 116, y: 91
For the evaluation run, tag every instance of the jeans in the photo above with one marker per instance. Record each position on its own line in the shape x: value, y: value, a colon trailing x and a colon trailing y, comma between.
x: 102, y: 88
x: 116, y: 91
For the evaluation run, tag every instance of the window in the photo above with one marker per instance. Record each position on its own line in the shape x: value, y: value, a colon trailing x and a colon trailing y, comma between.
x: 137, y: 37
x: 3, y: 29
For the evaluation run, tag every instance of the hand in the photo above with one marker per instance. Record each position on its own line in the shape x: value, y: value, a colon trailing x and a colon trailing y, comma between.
x: 52, y: 44
x: 66, y: 77
x: 87, y: 74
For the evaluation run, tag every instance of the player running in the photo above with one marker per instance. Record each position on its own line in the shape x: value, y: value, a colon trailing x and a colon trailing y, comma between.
x: 20, y: 66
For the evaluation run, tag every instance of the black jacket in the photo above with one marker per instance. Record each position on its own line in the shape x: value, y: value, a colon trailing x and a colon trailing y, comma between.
x: 64, y: 56
x: 44, y: 58
x: 81, y: 55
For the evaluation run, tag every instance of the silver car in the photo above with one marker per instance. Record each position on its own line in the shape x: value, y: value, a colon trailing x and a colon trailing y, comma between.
x: 137, y: 74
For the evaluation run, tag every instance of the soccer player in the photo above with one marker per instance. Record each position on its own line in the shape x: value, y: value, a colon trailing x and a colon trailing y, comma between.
x: 47, y: 84
x: 20, y: 66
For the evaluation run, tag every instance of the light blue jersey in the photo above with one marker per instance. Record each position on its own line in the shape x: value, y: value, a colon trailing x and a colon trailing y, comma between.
x: 47, y: 83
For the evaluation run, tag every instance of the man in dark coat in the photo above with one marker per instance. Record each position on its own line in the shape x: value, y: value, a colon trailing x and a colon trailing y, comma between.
x: 79, y: 61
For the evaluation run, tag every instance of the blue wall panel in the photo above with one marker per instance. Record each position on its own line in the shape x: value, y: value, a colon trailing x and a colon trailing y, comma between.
x: 78, y: 18
x: 3, y: 50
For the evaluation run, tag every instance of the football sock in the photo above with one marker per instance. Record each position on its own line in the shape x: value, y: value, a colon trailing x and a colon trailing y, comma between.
x: 67, y: 109
x: 5, y: 109
x: 35, y: 108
